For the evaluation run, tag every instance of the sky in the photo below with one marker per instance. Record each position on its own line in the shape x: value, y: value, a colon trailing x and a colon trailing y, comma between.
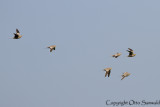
x: 86, y: 34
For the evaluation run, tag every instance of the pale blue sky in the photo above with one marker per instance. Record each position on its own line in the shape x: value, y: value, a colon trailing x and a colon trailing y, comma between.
x: 86, y: 33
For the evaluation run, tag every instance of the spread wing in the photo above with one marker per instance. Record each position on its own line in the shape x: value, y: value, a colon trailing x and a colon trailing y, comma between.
x: 17, y: 31
x: 130, y: 49
x: 51, y: 50
x: 54, y: 48
x: 109, y: 73
x: 122, y: 78
x: 106, y: 73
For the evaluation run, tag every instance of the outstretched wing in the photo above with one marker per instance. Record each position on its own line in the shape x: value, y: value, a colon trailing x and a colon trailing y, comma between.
x: 51, y: 50
x: 130, y: 49
x: 109, y: 73
x: 106, y: 74
x: 17, y: 31
x: 54, y: 48
x: 123, y: 77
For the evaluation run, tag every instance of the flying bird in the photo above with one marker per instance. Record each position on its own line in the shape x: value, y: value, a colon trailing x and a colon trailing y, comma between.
x: 52, y: 47
x: 131, y: 54
x: 17, y: 35
x: 108, y: 71
x: 116, y: 55
x: 126, y: 74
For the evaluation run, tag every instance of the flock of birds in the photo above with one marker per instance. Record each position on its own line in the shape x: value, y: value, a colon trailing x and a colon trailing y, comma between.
x: 126, y: 74
x: 17, y: 35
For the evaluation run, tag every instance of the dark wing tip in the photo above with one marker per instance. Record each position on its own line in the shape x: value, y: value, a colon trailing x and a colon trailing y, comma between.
x: 130, y: 49
x: 17, y: 30
x: 109, y: 73
x: 105, y: 74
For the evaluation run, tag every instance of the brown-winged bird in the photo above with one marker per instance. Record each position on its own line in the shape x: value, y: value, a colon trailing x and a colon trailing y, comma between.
x: 52, y: 47
x: 108, y: 71
x: 126, y: 74
x: 116, y: 55
x: 17, y: 35
x: 131, y: 54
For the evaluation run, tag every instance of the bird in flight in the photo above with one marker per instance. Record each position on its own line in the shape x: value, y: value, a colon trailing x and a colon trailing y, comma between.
x: 52, y: 47
x: 17, y: 35
x: 131, y: 54
x: 108, y: 71
x: 126, y: 74
x: 116, y: 55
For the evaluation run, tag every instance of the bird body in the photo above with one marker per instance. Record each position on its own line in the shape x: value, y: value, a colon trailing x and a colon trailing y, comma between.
x: 108, y: 71
x: 126, y: 74
x: 52, y: 47
x: 116, y: 55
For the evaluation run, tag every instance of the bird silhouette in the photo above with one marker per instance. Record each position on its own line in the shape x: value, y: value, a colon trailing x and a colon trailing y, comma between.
x: 126, y: 74
x: 17, y: 35
x: 131, y: 54
x: 52, y: 47
x: 108, y: 71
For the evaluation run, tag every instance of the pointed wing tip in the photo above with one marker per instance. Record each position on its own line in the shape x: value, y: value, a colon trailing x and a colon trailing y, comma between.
x: 17, y: 30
